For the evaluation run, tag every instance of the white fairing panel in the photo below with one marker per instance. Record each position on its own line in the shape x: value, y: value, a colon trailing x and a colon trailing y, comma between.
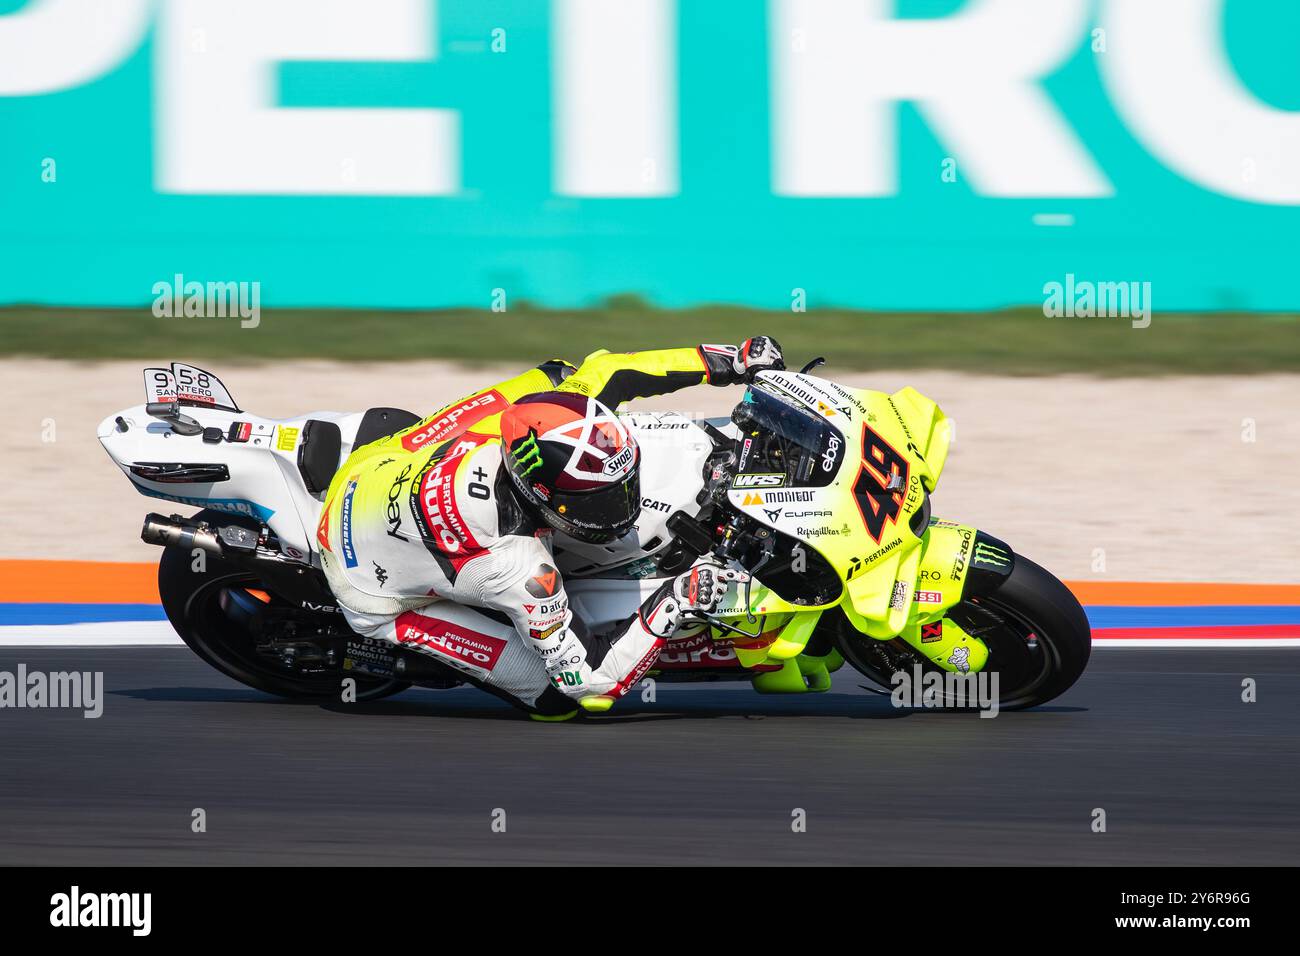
x: 264, y: 481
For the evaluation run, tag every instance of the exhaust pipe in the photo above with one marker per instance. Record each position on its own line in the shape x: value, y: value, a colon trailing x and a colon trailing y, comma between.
x: 179, y: 532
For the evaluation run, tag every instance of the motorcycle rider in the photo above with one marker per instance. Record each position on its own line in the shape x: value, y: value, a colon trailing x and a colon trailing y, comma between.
x: 438, y: 537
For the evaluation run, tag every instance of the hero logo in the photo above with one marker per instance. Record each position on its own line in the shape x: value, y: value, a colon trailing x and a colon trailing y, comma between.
x: 458, y: 644
x: 455, y: 420
x: 438, y: 501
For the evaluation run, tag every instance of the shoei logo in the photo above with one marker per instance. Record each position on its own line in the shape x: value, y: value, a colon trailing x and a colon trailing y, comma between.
x: 621, y: 462
x: 528, y: 456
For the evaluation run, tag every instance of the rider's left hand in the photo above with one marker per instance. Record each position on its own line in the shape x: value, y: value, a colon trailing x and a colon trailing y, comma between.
x: 760, y: 354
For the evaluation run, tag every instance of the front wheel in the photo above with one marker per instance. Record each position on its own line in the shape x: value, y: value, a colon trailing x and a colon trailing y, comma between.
x: 1038, y: 638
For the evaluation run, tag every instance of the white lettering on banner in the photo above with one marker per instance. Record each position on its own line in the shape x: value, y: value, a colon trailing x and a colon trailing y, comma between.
x: 218, y: 129
x: 614, y: 77
x: 839, y: 69
x: 974, y: 77
x: 1169, y: 76
x: 52, y: 45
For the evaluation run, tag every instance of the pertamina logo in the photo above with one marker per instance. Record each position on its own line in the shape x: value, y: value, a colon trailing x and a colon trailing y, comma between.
x: 445, y: 639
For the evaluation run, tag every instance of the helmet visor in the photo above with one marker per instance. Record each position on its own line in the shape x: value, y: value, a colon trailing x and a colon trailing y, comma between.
x: 596, y: 516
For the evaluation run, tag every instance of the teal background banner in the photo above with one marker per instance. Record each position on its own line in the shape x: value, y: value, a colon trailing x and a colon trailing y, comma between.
x: 688, y: 152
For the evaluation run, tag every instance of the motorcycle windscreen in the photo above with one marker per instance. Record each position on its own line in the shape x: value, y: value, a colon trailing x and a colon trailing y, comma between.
x: 780, y: 437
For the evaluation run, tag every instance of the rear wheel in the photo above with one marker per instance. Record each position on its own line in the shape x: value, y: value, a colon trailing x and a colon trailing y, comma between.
x: 1038, y: 638
x: 214, y: 610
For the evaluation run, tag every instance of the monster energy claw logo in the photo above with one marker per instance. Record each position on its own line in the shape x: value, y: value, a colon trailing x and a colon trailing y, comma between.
x: 528, y: 457
x: 990, y: 555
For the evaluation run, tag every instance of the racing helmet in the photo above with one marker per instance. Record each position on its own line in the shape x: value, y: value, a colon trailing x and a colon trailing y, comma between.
x: 575, y: 463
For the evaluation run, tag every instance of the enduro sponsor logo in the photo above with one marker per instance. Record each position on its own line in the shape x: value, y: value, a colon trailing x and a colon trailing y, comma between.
x: 345, y: 526
x: 637, y: 672
x: 64, y: 690
x: 451, y: 641
x: 455, y: 420
x: 703, y: 651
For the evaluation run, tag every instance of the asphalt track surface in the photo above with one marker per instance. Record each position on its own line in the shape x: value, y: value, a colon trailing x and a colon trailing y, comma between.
x: 1186, y: 772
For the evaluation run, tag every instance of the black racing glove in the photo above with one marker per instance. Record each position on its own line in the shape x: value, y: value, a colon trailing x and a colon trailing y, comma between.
x: 729, y: 364
x: 699, y: 589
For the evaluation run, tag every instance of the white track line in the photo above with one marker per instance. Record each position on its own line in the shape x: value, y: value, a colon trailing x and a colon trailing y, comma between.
x: 98, y: 634
x: 1197, y: 642
x: 160, y: 634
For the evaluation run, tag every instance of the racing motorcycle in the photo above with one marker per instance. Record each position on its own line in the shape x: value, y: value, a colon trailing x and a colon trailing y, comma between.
x: 821, y: 492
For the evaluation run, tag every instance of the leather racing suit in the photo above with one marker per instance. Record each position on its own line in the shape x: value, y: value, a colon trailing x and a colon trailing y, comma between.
x: 425, y: 543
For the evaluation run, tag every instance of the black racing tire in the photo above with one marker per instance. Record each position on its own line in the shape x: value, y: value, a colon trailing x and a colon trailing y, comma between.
x: 1038, y: 637
x: 193, y: 602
